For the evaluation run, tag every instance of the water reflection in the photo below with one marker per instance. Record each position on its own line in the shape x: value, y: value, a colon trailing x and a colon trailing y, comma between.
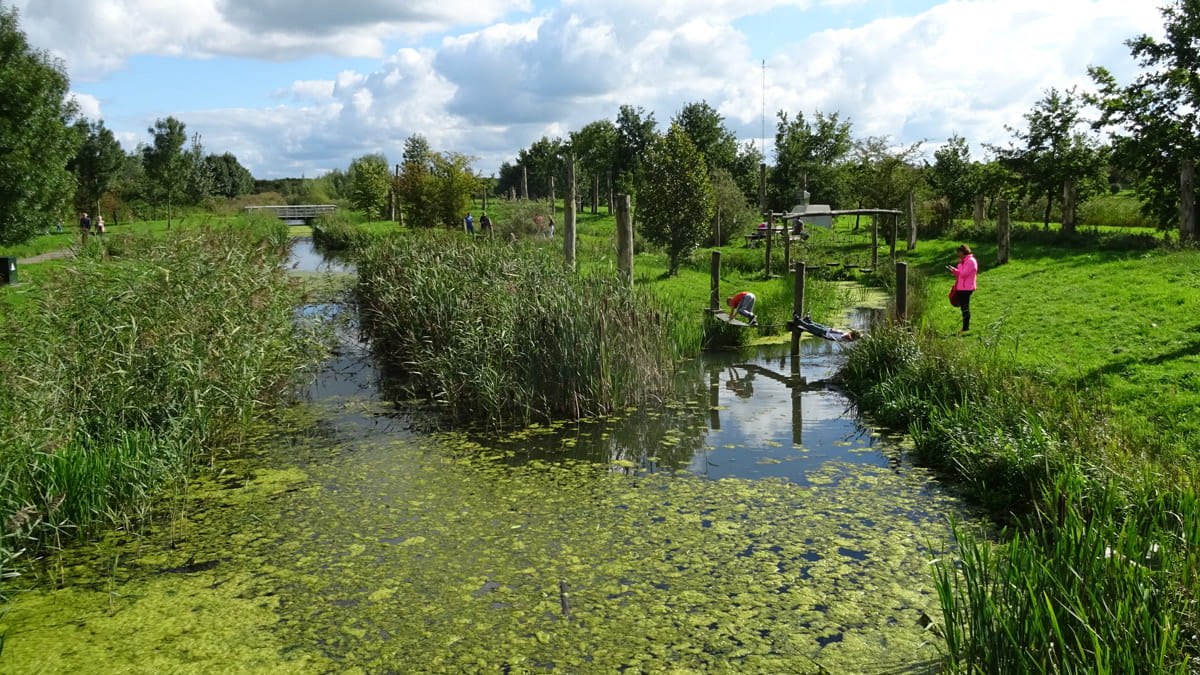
x: 307, y: 258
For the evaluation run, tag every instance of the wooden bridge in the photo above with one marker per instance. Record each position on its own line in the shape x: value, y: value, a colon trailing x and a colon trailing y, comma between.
x: 305, y: 212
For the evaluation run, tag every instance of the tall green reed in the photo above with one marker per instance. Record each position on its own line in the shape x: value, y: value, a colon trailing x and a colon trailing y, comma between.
x: 134, y: 360
x: 501, y: 333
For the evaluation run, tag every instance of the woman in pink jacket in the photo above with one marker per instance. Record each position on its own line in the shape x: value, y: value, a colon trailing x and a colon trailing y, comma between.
x: 966, y: 272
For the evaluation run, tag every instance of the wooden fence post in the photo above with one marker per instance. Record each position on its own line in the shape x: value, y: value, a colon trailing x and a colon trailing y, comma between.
x: 1004, y: 233
x: 902, y: 291
x: 569, y: 215
x: 624, y: 241
x: 714, y: 292
x: 767, y: 253
x: 524, y: 183
x: 912, y: 220
x: 979, y: 213
x: 874, y: 241
x: 797, y: 310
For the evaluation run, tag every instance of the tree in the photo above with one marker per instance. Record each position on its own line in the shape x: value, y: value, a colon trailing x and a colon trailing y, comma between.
x: 636, y: 130
x: 731, y: 211
x: 1157, y: 114
x: 453, y: 185
x: 677, y: 202
x: 201, y: 183
x: 595, y: 148
x: 415, y: 184
x: 230, y: 178
x: 1055, y: 159
x: 370, y: 181
x: 97, y: 163
x: 809, y: 157
x: 165, y: 162
x: 953, y: 176
x: 36, y: 139
x: 882, y: 176
x: 706, y: 129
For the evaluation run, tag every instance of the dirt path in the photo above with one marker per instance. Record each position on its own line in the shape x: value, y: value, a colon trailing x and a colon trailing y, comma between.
x: 42, y: 257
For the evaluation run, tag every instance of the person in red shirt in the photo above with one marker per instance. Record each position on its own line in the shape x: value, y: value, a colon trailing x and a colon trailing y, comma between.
x: 742, y: 303
x: 966, y: 271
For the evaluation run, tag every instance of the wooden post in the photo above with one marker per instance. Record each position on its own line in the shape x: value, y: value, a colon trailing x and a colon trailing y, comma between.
x: 895, y: 227
x: 596, y: 193
x: 797, y: 310
x: 612, y: 206
x: 1003, y: 231
x: 762, y: 187
x: 714, y: 399
x: 1187, y: 200
x: 902, y: 291
x: 1068, y: 206
x: 569, y: 215
x: 979, y: 213
x: 485, y: 197
x: 624, y: 241
x: 767, y: 253
x: 714, y: 291
x: 553, y: 201
x: 787, y: 244
x: 524, y: 183
x: 912, y: 220
x: 874, y: 241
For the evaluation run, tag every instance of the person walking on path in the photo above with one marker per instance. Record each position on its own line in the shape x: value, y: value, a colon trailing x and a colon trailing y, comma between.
x: 485, y: 223
x: 85, y: 226
x: 965, y: 273
x: 100, y: 229
x: 742, y: 303
x: 470, y: 222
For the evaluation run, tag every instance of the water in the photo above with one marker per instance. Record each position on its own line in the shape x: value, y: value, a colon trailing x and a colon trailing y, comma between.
x: 754, y: 525
x: 306, y: 258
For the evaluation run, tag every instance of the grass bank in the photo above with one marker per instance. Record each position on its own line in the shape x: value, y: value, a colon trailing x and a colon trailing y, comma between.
x: 123, y: 365
x: 1068, y: 413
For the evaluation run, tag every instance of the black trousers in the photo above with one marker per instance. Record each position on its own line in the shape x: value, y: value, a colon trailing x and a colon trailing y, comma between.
x: 964, y: 304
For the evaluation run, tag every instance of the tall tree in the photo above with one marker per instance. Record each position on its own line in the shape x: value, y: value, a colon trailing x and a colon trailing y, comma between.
x: 415, y: 184
x: 707, y: 131
x: 230, y: 178
x: 1053, y: 153
x: 595, y: 147
x: 36, y: 139
x: 636, y: 130
x: 677, y: 200
x: 1155, y: 119
x: 165, y: 162
x: 810, y: 157
x: 454, y: 183
x: 882, y: 176
x: 201, y: 183
x: 97, y: 164
x: 953, y: 175
x: 370, y: 182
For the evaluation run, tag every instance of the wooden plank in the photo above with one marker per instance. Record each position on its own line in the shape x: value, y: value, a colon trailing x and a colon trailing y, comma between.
x: 724, y: 316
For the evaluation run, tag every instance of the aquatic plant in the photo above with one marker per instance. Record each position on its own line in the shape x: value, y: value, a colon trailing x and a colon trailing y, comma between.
x: 501, y: 333
x: 337, y: 231
x: 126, y: 368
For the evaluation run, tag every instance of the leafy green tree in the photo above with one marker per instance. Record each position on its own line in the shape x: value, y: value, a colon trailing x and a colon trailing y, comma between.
x: 97, y: 164
x: 201, y: 183
x: 732, y: 213
x: 811, y: 157
x: 595, y: 147
x: 166, y: 163
x: 1053, y: 153
x: 953, y: 176
x: 1155, y: 121
x: 677, y: 201
x: 416, y: 185
x: 370, y: 182
x: 36, y: 139
x: 230, y: 178
x: 882, y: 176
x: 746, y: 171
x: 636, y: 130
x: 453, y: 185
x: 707, y: 131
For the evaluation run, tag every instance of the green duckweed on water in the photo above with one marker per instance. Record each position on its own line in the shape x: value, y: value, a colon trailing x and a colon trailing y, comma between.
x: 361, y: 548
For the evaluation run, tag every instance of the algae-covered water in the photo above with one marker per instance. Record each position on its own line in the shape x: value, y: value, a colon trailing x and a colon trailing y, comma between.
x: 755, y: 525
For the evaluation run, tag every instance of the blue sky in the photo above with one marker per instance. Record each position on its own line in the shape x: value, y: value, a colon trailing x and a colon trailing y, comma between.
x: 300, y: 89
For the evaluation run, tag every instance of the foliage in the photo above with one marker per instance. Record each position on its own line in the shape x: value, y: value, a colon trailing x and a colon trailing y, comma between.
x: 677, y: 201
x: 370, y: 182
x: 595, y: 147
x: 636, y: 131
x: 97, y: 164
x: 229, y: 178
x: 135, y: 358
x: 165, y: 162
x: 1155, y: 129
x: 541, y: 162
x: 706, y: 129
x: 809, y: 156
x: 732, y: 216
x: 880, y: 176
x: 415, y: 184
x: 953, y: 176
x: 35, y: 140
x: 453, y: 185
x: 543, y: 343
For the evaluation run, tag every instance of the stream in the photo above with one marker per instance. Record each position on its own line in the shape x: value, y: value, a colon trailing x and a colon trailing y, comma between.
x: 754, y: 524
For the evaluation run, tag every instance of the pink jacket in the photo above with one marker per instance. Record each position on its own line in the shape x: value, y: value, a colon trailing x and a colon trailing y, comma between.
x: 966, y: 272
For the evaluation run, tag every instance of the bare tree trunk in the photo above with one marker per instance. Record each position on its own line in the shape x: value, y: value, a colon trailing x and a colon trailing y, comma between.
x: 1187, y: 200
x: 979, y: 213
x: 1049, y: 205
x: 553, y: 201
x: 612, y: 204
x: 1070, y: 192
x: 912, y: 220
x: 1004, y: 234
x: 596, y: 194
x: 569, y: 215
x: 624, y: 241
x: 524, y: 183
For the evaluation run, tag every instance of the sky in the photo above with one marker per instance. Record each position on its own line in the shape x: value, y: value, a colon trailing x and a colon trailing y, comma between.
x: 302, y: 88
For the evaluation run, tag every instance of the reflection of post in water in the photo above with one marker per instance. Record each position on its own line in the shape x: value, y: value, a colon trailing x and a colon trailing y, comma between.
x: 798, y: 414
x: 741, y: 384
x: 714, y: 399
x: 795, y: 383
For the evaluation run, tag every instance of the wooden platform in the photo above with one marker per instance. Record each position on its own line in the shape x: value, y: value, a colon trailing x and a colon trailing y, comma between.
x: 724, y: 317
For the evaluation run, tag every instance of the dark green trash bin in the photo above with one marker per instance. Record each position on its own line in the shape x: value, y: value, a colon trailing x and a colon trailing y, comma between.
x: 8, y: 270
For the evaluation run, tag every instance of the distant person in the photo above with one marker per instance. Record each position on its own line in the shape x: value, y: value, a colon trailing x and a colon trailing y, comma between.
x: 742, y: 304
x: 485, y: 223
x: 550, y: 231
x: 470, y: 223
x: 539, y: 224
x: 822, y: 331
x: 100, y: 228
x: 85, y: 223
x: 964, y: 285
x: 58, y: 225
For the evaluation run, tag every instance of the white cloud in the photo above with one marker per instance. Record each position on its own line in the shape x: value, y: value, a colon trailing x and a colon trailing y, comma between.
x: 89, y: 106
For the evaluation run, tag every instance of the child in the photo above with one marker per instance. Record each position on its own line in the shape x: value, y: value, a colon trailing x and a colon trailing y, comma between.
x: 822, y: 331
x: 742, y: 303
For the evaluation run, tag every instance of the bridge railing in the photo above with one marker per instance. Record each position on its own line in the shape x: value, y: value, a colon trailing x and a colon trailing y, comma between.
x: 295, y: 211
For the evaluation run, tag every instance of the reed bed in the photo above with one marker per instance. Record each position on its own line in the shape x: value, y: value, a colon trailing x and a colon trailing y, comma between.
x: 126, y: 368
x: 1098, y: 569
x: 500, y: 333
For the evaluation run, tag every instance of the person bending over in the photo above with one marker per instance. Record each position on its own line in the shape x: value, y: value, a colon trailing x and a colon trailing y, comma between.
x: 743, y: 304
